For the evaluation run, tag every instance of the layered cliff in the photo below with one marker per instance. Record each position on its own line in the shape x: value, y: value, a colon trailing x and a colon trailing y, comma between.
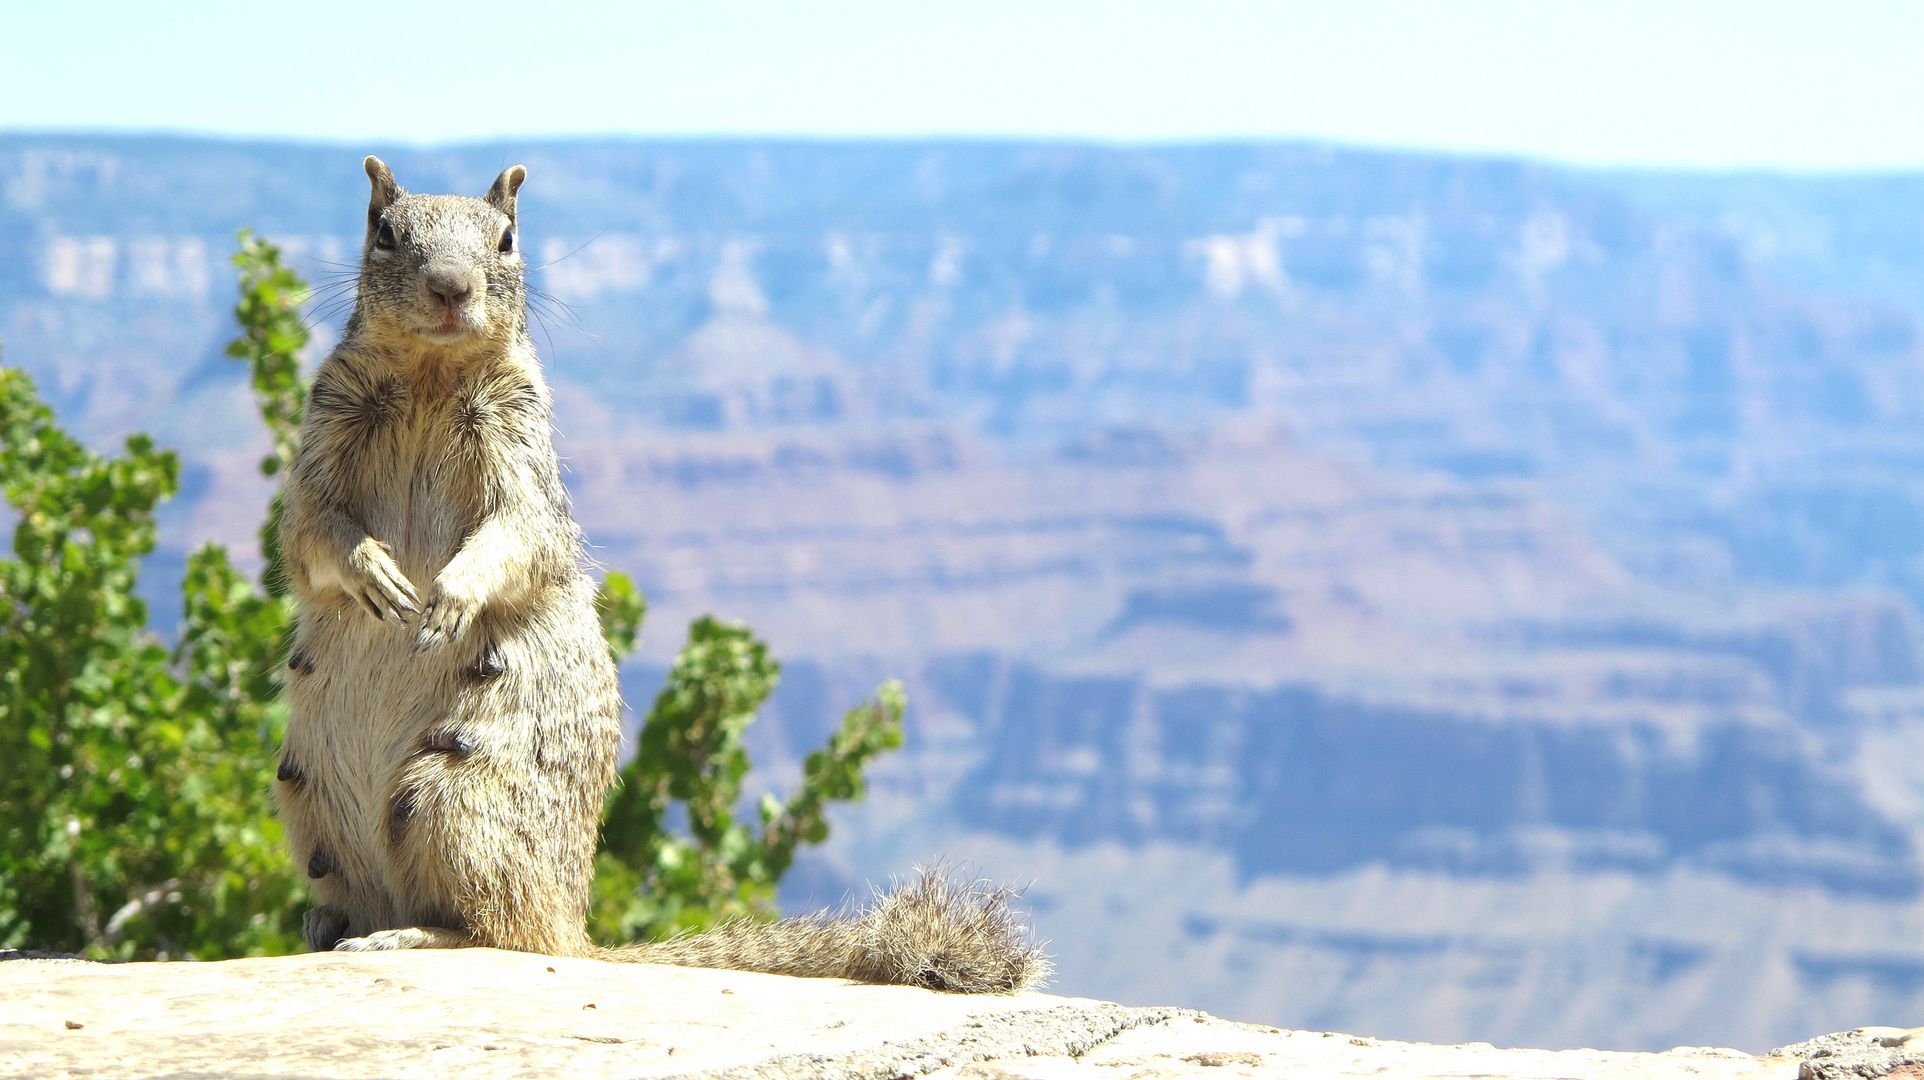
x: 1454, y: 599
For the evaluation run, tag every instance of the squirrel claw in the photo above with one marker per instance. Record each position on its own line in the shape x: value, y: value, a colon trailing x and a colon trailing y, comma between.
x: 379, y: 583
x: 384, y: 941
x: 384, y: 605
x: 446, y: 618
x: 399, y: 601
x: 411, y: 937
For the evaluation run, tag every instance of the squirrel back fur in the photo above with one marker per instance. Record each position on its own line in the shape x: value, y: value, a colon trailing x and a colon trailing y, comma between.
x: 454, y: 712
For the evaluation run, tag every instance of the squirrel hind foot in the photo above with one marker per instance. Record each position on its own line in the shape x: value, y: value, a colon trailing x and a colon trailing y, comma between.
x: 943, y: 933
x: 407, y: 937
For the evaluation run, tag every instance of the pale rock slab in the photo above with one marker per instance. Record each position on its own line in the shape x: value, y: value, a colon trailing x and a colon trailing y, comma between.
x: 481, y: 1014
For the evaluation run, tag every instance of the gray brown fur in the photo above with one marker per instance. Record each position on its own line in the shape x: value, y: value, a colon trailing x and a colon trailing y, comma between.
x: 454, y: 712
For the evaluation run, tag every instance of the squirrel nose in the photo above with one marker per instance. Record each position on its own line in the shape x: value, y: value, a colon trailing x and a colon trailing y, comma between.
x: 450, y: 291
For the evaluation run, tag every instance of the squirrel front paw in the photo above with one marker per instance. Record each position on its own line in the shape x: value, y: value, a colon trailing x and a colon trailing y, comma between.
x: 323, y: 926
x: 377, y: 582
x: 451, y: 610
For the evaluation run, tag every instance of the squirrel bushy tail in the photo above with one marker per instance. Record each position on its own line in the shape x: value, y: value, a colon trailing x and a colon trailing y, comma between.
x: 935, y: 932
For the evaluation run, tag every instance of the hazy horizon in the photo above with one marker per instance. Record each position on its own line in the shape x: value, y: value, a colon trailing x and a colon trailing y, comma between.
x: 1703, y: 85
x: 1521, y: 158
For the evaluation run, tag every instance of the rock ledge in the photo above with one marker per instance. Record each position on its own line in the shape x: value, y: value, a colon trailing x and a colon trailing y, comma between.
x: 481, y: 1014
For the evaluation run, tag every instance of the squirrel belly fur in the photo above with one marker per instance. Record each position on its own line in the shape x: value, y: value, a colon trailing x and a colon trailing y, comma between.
x: 454, y: 711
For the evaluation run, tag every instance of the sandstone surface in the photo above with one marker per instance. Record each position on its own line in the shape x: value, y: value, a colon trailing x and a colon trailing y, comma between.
x: 482, y: 1013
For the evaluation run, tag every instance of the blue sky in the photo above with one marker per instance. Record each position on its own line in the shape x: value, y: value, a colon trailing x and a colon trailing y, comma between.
x: 1824, y: 86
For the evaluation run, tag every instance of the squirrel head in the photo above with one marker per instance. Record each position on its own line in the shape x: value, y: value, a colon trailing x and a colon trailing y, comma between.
x: 442, y: 271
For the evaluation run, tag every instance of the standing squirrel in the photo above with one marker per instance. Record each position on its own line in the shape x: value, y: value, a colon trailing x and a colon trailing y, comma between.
x: 454, y: 713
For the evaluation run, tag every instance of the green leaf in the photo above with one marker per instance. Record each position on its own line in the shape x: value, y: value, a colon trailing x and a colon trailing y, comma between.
x: 691, y: 752
x: 622, y: 609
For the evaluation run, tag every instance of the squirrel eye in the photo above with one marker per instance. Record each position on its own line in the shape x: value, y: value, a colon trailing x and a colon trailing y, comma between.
x: 384, y: 237
x: 507, y: 241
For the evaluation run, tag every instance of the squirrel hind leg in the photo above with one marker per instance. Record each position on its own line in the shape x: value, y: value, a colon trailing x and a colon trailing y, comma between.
x: 942, y: 933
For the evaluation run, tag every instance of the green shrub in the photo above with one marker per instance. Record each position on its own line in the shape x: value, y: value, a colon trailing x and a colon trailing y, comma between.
x: 135, y: 781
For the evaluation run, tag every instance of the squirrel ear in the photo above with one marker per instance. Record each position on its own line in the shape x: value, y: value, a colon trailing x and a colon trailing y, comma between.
x: 385, y: 189
x: 501, y: 195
